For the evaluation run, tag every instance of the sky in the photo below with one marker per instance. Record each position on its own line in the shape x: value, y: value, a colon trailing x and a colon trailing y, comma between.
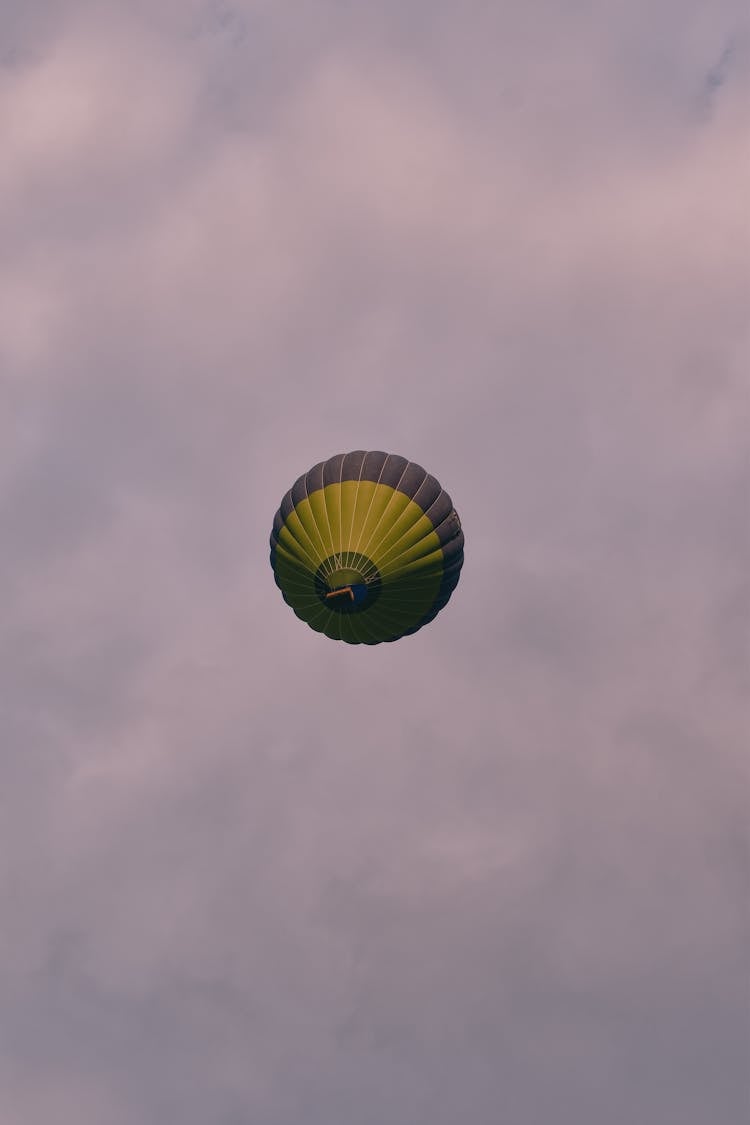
x: 499, y: 871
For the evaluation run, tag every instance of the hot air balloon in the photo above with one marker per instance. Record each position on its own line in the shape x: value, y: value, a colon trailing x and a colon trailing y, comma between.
x: 366, y: 547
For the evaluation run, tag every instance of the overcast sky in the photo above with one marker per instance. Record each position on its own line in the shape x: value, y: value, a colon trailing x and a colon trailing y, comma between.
x: 495, y: 873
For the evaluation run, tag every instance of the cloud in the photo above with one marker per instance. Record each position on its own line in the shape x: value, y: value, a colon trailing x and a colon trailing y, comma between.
x: 251, y: 875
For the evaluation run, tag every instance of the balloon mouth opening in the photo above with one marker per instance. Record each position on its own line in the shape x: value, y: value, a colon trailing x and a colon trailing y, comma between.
x: 348, y: 588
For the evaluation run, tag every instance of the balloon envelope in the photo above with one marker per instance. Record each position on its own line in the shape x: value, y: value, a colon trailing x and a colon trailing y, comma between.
x: 366, y: 547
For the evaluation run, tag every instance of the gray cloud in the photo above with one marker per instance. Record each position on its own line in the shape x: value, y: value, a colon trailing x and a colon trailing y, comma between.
x: 500, y: 869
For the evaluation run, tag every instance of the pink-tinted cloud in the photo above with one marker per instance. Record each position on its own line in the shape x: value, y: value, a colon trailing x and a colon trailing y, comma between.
x: 496, y: 869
